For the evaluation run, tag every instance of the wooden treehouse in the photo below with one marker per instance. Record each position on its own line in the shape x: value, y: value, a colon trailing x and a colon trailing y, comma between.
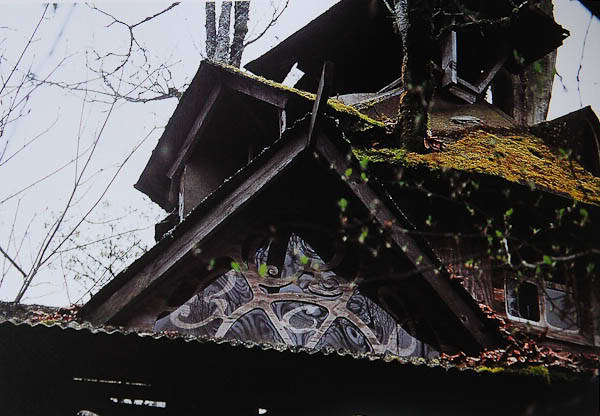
x: 308, y: 266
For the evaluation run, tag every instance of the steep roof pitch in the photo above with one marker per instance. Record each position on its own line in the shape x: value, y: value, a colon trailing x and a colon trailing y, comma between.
x: 116, y: 299
x: 202, y: 94
x: 508, y: 153
x: 514, y: 155
x: 499, y: 148
x: 480, y: 139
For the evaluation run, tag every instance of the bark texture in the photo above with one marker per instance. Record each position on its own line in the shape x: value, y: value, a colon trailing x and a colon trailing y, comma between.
x: 240, y: 29
x: 526, y: 96
x: 222, y: 47
x: 413, y: 22
x: 211, y: 29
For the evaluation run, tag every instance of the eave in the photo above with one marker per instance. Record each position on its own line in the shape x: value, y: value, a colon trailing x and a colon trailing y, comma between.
x: 62, y: 367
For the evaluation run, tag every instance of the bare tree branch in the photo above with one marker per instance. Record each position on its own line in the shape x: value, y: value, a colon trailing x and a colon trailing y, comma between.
x: 29, y: 42
x: 587, y: 31
x: 14, y: 263
x: 276, y: 15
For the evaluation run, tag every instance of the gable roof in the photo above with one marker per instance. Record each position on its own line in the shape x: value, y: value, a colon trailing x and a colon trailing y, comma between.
x: 123, y: 295
x: 507, y: 152
x: 201, y: 96
x: 498, y: 147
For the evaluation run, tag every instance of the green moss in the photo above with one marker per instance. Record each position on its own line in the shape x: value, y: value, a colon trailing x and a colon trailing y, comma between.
x: 336, y: 105
x: 492, y: 370
x: 530, y: 371
x: 381, y: 155
x: 516, y: 157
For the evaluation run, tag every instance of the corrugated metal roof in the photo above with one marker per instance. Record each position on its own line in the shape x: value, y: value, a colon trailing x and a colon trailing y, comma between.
x: 530, y: 360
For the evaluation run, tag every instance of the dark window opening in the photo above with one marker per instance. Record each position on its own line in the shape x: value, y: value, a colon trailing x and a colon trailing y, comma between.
x: 522, y: 300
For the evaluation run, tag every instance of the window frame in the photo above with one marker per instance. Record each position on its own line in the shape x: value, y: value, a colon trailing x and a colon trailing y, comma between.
x: 542, y: 299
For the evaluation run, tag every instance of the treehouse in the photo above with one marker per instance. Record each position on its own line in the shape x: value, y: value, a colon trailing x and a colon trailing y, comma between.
x: 312, y: 266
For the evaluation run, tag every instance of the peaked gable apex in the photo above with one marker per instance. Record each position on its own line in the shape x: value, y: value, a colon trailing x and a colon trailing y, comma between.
x: 169, y: 274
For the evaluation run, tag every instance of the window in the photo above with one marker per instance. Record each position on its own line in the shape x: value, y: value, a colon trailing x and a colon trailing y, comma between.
x: 560, y: 309
x: 557, y: 311
x: 522, y: 300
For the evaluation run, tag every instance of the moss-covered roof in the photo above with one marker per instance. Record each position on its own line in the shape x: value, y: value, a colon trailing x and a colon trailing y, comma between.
x: 333, y: 103
x: 515, y: 156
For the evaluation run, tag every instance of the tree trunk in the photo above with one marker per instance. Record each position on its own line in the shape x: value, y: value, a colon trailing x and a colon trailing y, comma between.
x: 240, y: 29
x: 413, y: 22
x: 222, y: 49
x: 526, y: 96
x: 211, y: 29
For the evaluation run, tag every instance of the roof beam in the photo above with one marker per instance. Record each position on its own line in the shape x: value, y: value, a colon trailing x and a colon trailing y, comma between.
x: 198, y: 127
x: 249, y: 86
x: 217, y: 208
x: 423, y: 259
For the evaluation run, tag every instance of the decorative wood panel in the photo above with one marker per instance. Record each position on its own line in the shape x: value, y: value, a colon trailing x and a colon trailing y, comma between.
x: 308, y: 305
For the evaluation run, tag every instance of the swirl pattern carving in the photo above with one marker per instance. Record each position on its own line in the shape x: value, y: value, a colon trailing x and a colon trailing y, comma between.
x: 309, y: 306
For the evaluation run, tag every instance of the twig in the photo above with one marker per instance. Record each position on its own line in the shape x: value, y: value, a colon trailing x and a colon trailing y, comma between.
x: 587, y: 31
x: 9, y: 258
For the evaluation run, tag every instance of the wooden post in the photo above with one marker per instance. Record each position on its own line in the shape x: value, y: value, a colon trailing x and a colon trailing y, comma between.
x: 321, y: 100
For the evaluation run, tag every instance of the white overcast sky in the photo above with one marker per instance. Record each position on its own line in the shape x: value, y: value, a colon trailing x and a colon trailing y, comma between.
x: 176, y: 38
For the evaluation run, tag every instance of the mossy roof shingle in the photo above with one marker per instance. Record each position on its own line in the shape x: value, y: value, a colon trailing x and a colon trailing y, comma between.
x: 515, y: 156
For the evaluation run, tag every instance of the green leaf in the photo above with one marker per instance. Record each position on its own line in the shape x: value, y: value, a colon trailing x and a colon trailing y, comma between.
x: 509, y: 212
x: 364, y: 177
x: 343, y: 204
x: 236, y: 266
x: 471, y: 210
x: 363, y: 235
x: 303, y: 259
x: 499, y: 234
x: 348, y: 172
x: 363, y: 163
x: 584, y: 216
x: 262, y: 270
x: 547, y: 259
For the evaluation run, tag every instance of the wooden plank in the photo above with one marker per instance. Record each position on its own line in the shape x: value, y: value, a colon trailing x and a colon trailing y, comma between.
x: 321, y: 99
x: 462, y: 94
x: 137, y: 287
x: 488, y: 76
x: 254, y: 88
x: 449, y: 60
x: 467, y: 85
x: 428, y: 268
x: 198, y: 127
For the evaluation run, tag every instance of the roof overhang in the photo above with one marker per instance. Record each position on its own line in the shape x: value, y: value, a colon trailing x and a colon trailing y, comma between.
x: 141, y: 290
x: 61, y: 368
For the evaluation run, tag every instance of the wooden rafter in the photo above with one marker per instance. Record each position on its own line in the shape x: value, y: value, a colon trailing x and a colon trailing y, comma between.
x: 422, y: 258
x: 117, y: 308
